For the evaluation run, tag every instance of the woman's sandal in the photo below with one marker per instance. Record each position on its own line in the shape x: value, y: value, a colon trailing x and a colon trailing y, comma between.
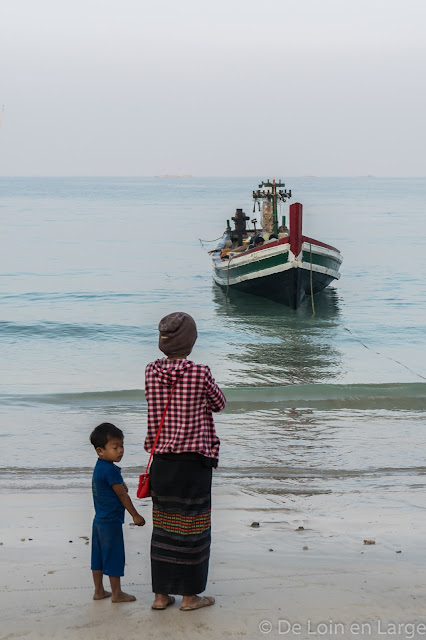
x: 164, y: 606
x: 205, y: 601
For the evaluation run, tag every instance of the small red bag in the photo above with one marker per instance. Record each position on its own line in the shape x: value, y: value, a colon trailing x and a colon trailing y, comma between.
x: 144, y: 488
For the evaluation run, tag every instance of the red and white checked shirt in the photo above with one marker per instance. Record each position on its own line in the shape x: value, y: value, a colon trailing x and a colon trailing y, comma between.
x: 188, y: 425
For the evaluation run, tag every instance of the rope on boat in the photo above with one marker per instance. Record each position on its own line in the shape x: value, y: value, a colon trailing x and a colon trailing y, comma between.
x: 227, y: 271
x: 381, y: 354
x: 207, y: 241
x: 310, y: 275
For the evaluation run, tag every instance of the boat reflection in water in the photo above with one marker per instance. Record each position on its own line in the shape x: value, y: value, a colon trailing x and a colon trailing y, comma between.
x: 277, y: 443
x: 275, y: 345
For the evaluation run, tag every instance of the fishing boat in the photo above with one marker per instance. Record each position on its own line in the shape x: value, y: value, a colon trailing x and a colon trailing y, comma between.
x: 273, y: 261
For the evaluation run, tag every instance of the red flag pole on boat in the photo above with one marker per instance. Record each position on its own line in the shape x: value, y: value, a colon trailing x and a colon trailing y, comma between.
x: 296, y: 210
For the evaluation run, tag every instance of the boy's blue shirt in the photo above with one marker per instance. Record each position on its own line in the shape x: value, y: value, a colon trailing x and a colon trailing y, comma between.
x: 108, y: 507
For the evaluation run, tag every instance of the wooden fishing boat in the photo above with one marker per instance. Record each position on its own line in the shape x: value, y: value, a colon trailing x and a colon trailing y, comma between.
x: 274, y: 262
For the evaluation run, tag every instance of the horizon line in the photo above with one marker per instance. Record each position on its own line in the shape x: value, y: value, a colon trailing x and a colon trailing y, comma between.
x: 189, y: 177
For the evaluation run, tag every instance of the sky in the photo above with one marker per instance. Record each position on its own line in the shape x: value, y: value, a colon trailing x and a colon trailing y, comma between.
x: 217, y: 88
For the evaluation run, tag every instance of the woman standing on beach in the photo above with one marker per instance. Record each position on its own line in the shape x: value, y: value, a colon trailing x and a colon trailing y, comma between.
x: 181, y: 470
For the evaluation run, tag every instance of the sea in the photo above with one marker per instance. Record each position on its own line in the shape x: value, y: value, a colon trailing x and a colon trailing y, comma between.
x: 325, y: 411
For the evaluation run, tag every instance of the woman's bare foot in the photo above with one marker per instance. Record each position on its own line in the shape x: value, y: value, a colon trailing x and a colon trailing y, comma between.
x: 101, y: 595
x: 122, y: 597
x: 162, y: 601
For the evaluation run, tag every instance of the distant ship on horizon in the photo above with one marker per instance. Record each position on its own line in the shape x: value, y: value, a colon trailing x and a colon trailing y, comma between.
x: 174, y: 175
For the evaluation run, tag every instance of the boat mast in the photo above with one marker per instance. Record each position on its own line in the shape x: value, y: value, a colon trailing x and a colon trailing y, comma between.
x: 268, y: 192
x: 274, y: 207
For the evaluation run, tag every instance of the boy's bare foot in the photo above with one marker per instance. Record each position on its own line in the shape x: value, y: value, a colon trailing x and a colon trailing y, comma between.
x: 122, y: 597
x: 101, y: 595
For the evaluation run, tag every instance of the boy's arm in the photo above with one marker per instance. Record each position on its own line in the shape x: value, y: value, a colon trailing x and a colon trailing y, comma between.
x: 121, y: 493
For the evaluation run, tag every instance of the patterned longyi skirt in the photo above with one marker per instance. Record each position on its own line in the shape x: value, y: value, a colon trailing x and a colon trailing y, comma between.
x: 180, y: 544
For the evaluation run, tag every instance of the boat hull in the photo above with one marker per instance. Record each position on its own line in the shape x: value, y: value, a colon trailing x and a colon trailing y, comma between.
x: 289, y: 287
x: 275, y: 273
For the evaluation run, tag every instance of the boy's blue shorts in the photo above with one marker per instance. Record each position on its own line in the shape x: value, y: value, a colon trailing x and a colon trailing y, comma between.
x: 108, y: 548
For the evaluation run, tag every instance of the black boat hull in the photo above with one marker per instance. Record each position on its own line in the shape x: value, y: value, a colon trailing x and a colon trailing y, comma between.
x: 289, y: 287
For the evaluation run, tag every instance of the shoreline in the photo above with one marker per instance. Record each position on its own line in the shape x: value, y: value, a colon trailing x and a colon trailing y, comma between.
x: 46, y: 586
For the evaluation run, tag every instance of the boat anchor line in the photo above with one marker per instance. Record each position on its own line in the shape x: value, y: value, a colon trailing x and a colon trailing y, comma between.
x: 383, y: 355
x: 310, y: 279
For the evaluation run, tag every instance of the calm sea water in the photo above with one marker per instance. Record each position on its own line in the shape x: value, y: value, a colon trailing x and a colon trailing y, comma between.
x: 329, y: 404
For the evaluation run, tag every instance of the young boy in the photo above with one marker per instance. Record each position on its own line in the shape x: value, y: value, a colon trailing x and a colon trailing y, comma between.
x: 110, y: 499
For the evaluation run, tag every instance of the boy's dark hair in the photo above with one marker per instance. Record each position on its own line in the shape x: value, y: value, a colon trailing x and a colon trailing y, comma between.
x: 104, y: 432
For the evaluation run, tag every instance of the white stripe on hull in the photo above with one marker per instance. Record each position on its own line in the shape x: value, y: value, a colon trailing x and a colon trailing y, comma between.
x: 222, y: 279
x: 256, y: 256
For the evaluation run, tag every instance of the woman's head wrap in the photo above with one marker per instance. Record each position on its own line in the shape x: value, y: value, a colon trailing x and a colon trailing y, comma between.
x: 178, y: 333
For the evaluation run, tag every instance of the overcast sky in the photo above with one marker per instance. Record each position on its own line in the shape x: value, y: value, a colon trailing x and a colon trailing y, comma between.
x: 221, y: 88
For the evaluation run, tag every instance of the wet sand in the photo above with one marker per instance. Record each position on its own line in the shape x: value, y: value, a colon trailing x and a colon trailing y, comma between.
x: 272, y: 581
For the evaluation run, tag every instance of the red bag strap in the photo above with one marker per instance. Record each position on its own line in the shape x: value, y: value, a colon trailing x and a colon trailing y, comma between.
x: 163, y: 417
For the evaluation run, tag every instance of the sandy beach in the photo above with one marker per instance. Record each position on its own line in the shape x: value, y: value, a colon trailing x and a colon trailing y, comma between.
x: 269, y: 581
x: 323, y: 428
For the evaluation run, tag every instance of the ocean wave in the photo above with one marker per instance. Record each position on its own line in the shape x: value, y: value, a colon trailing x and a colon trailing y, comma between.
x: 70, y: 331
x: 35, y: 296
x: 257, y: 471
x: 393, y: 396
x: 275, y: 480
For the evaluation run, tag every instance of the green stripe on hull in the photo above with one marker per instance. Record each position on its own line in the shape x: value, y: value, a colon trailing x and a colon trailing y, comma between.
x: 253, y: 267
x: 322, y: 261
x: 275, y: 261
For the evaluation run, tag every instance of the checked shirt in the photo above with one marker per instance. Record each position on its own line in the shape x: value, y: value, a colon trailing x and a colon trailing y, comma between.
x: 188, y: 425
